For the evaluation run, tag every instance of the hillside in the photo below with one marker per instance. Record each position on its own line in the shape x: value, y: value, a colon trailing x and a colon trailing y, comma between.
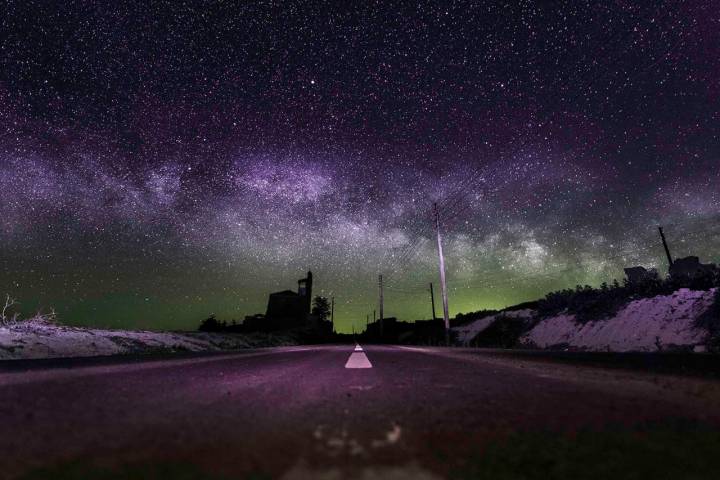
x: 677, y: 321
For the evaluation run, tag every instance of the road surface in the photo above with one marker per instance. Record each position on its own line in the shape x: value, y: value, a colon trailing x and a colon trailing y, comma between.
x: 334, y: 412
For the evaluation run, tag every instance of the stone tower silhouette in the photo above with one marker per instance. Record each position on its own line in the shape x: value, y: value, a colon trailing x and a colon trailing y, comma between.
x: 305, y: 291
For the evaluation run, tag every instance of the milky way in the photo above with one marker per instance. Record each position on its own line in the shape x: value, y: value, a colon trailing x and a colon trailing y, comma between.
x: 161, y: 163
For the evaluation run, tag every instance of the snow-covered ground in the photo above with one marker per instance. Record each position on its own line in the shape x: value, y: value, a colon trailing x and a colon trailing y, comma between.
x: 466, y: 333
x: 648, y: 324
x: 33, y: 340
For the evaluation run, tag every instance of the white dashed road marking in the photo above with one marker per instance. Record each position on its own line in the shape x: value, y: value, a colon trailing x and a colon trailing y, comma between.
x: 358, y: 359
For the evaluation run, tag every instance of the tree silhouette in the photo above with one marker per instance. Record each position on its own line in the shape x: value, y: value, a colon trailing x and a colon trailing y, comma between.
x: 321, y: 308
x: 211, y: 324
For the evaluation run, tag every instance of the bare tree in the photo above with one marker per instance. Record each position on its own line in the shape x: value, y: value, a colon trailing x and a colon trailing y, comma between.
x: 5, y: 319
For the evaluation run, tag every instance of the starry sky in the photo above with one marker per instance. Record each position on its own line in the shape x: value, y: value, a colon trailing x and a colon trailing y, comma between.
x: 161, y: 161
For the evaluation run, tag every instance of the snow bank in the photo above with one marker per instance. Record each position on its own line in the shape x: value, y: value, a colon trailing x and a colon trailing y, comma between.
x: 648, y: 324
x: 466, y: 333
x: 50, y: 341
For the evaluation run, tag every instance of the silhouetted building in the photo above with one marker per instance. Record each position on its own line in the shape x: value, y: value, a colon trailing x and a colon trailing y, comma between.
x: 639, y: 275
x: 288, y: 309
x: 690, y: 267
x: 388, y: 327
x: 394, y: 331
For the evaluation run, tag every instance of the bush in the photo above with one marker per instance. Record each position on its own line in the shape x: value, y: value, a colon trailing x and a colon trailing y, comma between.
x: 13, y: 320
x: 212, y: 324
x: 585, y: 302
x: 464, y: 318
x: 504, y: 332
x: 39, y: 320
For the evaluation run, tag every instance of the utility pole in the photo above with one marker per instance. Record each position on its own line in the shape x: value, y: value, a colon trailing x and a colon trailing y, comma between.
x: 443, y: 285
x: 432, y: 301
x: 332, y: 312
x: 665, y: 245
x: 380, y: 282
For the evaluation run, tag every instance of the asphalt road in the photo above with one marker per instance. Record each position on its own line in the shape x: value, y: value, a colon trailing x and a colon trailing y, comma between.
x: 300, y: 413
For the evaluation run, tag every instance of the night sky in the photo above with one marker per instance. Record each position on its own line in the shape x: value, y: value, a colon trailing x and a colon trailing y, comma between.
x: 162, y: 162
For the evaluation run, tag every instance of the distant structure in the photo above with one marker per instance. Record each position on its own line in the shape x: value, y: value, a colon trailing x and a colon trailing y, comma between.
x: 395, y: 331
x: 690, y: 267
x: 681, y: 268
x: 381, y: 330
x: 288, y: 309
x: 687, y: 267
x: 639, y: 275
x: 288, y: 304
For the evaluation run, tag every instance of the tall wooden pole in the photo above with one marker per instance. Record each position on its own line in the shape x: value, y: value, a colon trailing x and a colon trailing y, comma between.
x: 665, y: 245
x: 380, y: 282
x: 332, y: 312
x: 443, y: 285
x: 432, y: 301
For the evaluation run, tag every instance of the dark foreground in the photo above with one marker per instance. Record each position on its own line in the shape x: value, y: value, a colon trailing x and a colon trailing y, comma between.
x: 299, y: 413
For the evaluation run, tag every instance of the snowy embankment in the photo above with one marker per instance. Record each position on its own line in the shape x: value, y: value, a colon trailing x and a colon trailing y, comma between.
x: 665, y: 322
x: 32, y: 340
x: 647, y: 324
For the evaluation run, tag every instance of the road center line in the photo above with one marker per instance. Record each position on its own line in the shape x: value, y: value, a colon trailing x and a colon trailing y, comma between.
x: 358, y: 359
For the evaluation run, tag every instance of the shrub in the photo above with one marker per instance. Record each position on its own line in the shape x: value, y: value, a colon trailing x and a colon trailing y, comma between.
x: 212, y: 324
x: 13, y: 320
x: 504, y: 332
x: 464, y: 318
x: 39, y: 320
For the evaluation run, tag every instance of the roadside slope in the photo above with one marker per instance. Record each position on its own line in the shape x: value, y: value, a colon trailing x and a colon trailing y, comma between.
x: 661, y: 323
x: 35, y: 340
